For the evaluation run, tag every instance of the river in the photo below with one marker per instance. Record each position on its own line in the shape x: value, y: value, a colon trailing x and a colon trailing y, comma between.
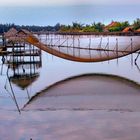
x: 93, y: 101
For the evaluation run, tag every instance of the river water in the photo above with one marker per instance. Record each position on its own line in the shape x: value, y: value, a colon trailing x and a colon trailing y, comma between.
x: 100, y: 103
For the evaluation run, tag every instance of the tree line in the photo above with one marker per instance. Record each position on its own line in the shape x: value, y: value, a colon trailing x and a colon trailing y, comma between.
x: 76, y: 27
x: 100, y: 27
x: 33, y: 28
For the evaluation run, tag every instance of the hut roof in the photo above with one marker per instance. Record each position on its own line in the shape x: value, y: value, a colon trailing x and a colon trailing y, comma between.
x: 138, y: 30
x: 12, y: 32
x: 16, y: 36
x: 24, y: 31
x: 128, y: 29
x: 112, y: 24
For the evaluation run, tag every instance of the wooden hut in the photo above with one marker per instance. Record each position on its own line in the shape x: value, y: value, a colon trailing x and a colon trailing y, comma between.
x: 11, y: 33
x: 128, y: 29
x: 112, y: 24
x: 138, y: 30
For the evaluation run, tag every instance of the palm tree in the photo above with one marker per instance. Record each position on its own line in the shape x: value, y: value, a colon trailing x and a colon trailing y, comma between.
x: 136, y: 24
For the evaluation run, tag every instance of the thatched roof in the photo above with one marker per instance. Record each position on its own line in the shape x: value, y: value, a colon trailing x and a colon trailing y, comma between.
x: 128, y: 29
x: 24, y: 32
x: 112, y: 24
x: 12, y: 32
x: 138, y: 30
x: 17, y: 36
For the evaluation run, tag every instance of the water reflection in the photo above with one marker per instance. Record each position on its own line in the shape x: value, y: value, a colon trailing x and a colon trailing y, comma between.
x: 84, y: 106
x: 88, y: 92
x: 19, y: 70
x: 45, y: 119
x: 28, y: 79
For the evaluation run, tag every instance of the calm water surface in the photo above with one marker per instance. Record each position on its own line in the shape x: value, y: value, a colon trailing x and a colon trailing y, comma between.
x: 55, y: 119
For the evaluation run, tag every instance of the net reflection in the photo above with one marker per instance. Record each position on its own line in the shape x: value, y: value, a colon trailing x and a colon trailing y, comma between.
x: 88, y: 92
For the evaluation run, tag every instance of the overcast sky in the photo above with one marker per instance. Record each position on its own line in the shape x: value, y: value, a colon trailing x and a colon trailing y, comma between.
x: 50, y: 12
x: 66, y: 2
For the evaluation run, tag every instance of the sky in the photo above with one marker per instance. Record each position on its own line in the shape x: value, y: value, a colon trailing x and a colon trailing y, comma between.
x: 50, y: 12
x: 66, y: 2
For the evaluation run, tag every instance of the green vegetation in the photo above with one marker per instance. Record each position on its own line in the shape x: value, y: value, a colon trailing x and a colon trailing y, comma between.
x: 75, y: 27
x: 79, y: 27
x: 119, y: 26
x: 136, y: 24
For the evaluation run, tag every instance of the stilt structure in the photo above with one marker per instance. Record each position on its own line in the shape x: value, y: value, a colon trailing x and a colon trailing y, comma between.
x: 89, y: 48
x: 101, y: 47
x: 23, y: 58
